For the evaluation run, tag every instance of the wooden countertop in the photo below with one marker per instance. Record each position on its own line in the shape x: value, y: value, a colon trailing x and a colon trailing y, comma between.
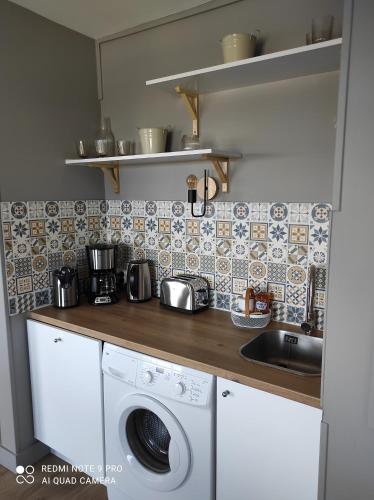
x: 207, y: 341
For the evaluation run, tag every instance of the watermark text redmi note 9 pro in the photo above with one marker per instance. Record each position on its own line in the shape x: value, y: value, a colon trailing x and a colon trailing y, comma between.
x: 65, y: 474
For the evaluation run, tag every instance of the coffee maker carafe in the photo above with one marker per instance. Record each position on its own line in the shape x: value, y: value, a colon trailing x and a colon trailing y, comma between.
x: 103, y: 284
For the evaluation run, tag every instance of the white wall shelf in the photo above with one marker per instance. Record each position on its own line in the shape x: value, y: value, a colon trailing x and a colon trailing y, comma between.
x: 170, y: 157
x: 300, y: 61
x: 110, y: 164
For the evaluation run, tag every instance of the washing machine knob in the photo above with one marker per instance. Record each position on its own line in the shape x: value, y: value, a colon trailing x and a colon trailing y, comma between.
x: 180, y: 388
x: 148, y: 377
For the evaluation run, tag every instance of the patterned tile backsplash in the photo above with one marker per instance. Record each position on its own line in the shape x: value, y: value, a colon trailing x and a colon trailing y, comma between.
x: 268, y: 246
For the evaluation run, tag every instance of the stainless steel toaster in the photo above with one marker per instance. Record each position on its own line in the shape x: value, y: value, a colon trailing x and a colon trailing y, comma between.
x: 185, y: 292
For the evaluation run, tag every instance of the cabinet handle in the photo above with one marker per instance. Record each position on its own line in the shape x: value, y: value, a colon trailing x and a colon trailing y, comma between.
x: 225, y: 394
x: 58, y: 339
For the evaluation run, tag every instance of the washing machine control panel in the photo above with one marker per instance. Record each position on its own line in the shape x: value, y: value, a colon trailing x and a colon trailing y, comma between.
x: 158, y: 377
x: 175, y: 382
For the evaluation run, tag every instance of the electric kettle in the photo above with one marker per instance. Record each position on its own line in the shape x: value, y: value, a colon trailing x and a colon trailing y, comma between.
x: 65, y: 287
x: 138, y: 281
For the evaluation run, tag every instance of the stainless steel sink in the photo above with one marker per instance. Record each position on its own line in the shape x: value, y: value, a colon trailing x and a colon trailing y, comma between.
x: 292, y: 352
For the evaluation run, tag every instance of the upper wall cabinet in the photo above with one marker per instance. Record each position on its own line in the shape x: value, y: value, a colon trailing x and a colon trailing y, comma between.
x: 300, y: 61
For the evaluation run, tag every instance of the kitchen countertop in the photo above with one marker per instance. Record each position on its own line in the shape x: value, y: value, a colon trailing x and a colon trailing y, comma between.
x: 207, y: 341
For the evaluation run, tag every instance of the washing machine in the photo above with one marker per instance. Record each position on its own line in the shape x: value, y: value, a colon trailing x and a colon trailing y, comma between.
x: 159, y: 428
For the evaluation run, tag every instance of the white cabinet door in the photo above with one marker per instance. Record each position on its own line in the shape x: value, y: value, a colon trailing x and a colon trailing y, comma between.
x: 267, y: 446
x: 67, y: 393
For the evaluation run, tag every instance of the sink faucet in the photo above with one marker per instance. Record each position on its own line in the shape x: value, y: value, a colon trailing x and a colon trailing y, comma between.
x: 310, y: 323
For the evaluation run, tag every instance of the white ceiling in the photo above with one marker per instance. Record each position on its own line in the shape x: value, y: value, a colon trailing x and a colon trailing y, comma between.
x: 98, y: 18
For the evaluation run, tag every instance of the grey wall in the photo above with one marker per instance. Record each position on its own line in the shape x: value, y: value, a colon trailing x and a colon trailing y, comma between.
x: 285, y: 130
x: 7, y: 424
x: 349, y: 366
x: 48, y: 99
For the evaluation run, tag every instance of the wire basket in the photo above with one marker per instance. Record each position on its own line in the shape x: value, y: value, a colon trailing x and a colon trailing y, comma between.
x: 251, y: 321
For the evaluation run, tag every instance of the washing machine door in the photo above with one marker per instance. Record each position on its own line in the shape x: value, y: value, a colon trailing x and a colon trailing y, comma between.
x: 153, y: 443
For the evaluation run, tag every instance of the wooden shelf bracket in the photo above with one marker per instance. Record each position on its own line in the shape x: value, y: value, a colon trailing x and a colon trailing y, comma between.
x: 221, y: 166
x: 191, y: 101
x: 111, y: 170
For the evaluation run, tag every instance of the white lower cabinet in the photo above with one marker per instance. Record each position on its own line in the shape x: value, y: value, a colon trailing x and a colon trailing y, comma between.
x: 267, y: 446
x: 67, y: 394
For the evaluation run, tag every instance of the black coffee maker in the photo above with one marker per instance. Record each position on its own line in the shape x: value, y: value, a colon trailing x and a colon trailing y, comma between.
x: 103, y: 283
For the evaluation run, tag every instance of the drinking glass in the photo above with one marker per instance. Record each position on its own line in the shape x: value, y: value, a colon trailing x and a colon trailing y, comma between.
x: 123, y: 147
